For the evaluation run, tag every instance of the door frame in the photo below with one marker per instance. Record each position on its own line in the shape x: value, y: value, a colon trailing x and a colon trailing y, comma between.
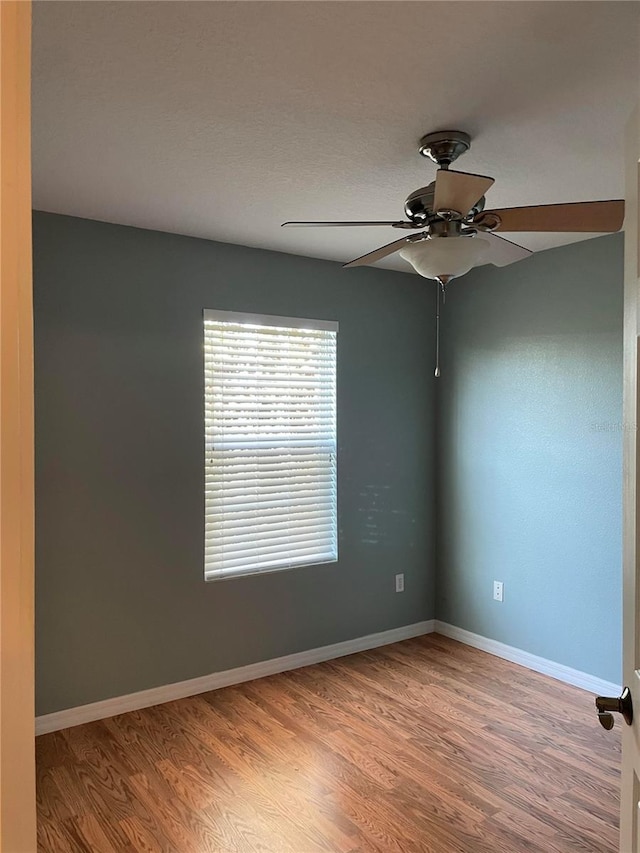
x: 17, y: 717
x: 630, y: 786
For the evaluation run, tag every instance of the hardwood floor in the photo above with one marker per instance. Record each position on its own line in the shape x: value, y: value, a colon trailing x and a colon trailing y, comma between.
x: 426, y: 746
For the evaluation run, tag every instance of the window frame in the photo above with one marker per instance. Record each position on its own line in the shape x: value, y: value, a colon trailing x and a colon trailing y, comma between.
x: 271, y: 321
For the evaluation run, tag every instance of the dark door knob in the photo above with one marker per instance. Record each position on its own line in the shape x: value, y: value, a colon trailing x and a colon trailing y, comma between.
x: 608, y: 705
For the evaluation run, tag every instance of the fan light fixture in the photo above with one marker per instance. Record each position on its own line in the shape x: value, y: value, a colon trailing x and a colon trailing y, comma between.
x: 440, y: 248
x: 444, y: 258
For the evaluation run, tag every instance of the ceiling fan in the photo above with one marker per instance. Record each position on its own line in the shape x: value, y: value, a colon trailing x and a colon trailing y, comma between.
x: 453, y: 205
x: 452, y: 230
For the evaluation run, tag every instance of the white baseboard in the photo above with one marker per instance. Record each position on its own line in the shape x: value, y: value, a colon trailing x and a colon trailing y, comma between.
x: 547, y: 667
x: 181, y: 689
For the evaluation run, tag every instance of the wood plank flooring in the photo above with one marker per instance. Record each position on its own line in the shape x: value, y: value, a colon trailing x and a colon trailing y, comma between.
x: 426, y: 746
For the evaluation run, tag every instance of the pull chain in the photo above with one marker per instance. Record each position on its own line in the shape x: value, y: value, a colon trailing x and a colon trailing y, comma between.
x: 440, y: 287
x: 442, y: 282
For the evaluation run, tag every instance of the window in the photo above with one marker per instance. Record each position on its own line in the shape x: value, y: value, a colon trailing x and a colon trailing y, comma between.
x: 270, y: 443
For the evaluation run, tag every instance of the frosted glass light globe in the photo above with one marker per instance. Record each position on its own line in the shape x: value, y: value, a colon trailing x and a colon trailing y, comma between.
x: 445, y: 256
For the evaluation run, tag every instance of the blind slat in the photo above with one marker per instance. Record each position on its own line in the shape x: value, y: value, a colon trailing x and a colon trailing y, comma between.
x: 255, y: 557
x: 221, y: 487
x: 274, y: 516
x: 221, y: 509
x: 244, y: 472
x: 274, y: 443
x: 269, y: 566
x: 273, y: 545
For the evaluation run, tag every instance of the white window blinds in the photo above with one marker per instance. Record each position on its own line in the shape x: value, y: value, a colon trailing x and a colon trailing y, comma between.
x: 270, y: 443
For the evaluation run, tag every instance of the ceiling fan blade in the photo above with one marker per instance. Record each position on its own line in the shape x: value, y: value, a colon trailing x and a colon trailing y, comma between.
x: 459, y: 191
x: 380, y: 253
x: 502, y: 251
x: 595, y: 216
x: 389, y: 224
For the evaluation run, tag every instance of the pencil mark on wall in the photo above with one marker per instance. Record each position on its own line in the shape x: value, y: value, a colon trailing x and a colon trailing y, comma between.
x: 381, y: 522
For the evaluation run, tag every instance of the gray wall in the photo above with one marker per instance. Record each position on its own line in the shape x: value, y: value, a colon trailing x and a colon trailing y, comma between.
x: 528, y: 481
x: 530, y: 455
x: 121, y: 601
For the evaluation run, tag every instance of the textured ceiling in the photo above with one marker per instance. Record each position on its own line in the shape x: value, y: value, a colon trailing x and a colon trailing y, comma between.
x: 222, y: 119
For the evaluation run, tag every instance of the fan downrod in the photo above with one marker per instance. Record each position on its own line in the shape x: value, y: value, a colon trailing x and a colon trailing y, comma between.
x: 444, y: 146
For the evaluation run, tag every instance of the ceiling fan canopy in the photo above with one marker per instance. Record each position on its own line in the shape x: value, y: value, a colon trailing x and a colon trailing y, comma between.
x: 457, y: 233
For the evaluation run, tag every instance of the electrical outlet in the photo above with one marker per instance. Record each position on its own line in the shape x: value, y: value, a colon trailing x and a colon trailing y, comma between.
x: 399, y: 583
x: 498, y: 590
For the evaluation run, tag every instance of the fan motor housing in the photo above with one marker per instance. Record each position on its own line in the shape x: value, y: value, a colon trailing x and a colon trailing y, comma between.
x: 418, y: 205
